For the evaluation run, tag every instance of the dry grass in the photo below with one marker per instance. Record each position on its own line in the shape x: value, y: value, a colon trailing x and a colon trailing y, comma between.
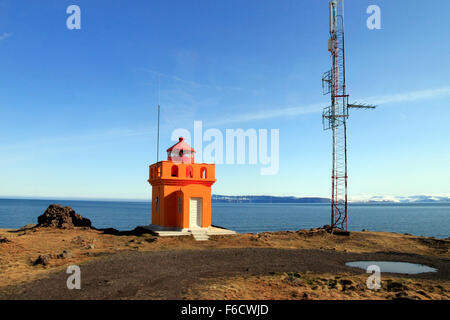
x: 18, y: 255
x: 308, y: 286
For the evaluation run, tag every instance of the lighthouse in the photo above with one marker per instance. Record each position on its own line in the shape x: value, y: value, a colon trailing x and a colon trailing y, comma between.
x: 181, y: 192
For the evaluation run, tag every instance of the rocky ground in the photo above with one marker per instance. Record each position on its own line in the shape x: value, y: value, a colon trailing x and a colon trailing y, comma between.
x: 305, y: 264
x: 319, y: 286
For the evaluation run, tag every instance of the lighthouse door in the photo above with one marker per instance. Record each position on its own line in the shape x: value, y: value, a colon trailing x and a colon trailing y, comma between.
x: 195, y: 213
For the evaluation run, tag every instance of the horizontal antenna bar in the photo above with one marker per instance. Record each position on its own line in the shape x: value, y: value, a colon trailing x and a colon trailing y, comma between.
x: 361, y: 106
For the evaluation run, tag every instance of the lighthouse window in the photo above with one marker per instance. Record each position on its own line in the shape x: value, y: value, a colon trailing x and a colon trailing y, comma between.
x: 158, y: 170
x: 203, y: 173
x: 157, y: 204
x: 179, y: 204
x: 174, y: 171
x: 189, y: 172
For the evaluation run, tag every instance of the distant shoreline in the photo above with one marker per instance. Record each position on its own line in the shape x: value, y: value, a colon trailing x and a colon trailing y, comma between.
x: 236, y: 199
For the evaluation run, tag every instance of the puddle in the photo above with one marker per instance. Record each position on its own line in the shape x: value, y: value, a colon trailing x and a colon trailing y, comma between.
x: 393, y: 267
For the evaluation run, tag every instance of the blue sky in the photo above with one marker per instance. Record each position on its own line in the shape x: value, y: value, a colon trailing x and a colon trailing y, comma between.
x: 78, y: 107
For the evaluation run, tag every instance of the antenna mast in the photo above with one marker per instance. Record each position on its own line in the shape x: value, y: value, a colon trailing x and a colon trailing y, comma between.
x: 335, y: 116
x: 157, y: 141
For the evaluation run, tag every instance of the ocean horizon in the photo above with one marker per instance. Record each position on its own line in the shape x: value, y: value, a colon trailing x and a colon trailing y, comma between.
x: 421, y: 219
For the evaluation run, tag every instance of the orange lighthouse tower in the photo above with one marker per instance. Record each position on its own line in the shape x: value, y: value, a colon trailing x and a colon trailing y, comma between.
x: 181, y: 190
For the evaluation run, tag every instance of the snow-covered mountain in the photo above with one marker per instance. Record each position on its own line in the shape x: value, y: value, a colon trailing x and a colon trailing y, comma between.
x: 402, y: 199
x: 355, y: 199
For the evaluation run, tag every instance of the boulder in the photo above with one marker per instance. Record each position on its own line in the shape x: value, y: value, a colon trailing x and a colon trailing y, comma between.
x: 43, y: 259
x: 57, y: 216
x: 79, y: 221
x: 403, y: 296
x: 395, y: 286
x: 79, y: 240
x: 4, y: 240
x: 346, y: 282
x: 65, y: 254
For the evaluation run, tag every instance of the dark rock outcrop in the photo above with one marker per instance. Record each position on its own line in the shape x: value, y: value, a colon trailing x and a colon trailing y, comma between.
x: 395, y: 286
x: 57, y: 216
x: 65, y: 255
x: 4, y: 240
x: 43, y: 259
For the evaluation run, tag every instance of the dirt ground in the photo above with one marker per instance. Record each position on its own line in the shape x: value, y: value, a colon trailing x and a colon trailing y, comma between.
x: 316, y: 286
x: 245, y: 266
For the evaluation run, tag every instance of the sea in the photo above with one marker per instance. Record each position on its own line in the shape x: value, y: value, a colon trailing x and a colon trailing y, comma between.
x: 421, y: 219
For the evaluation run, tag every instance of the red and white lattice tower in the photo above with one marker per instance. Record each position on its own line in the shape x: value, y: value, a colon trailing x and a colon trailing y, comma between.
x: 335, y: 116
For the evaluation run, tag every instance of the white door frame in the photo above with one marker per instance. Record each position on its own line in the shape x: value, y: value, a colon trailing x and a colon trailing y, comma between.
x: 198, y: 214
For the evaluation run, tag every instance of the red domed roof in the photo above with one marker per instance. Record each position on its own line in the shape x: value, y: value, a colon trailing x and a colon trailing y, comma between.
x: 181, y: 152
x: 181, y: 145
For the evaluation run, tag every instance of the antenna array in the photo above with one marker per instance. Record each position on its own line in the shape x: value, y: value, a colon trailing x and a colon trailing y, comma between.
x: 335, y: 116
